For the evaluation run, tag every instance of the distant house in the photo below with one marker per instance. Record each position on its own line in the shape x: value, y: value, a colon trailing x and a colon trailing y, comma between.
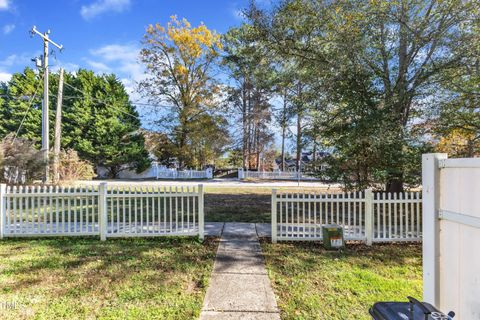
x: 306, y: 162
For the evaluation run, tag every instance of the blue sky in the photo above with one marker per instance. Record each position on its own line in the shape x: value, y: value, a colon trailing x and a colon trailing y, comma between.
x: 102, y: 35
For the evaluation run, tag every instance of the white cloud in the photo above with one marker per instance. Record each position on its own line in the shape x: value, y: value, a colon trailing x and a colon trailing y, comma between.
x: 102, y: 6
x: 98, y: 66
x: 4, y: 76
x: 4, y: 4
x: 15, y: 63
x: 19, y: 59
x: 8, y: 28
x: 121, y: 59
x: 67, y: 66
x: 115, y: 52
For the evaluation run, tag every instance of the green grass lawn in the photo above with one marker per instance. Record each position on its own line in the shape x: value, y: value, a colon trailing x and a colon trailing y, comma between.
x: 311, y: 283
x: 242, y: 204
x: 117, y: 279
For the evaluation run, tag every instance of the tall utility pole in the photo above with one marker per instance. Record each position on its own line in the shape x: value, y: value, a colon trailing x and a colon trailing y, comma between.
x: 45, y: 127
x: 58, y: 128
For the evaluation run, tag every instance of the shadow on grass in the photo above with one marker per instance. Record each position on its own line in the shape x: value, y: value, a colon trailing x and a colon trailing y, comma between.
x: 308, y: 254
x: 88, y: 262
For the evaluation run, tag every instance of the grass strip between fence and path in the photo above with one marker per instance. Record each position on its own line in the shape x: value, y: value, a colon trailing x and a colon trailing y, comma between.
x: 312, y: 283
x: 84, y: 278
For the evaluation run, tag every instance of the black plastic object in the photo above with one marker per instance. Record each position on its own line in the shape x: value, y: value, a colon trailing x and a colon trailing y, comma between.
x: 412, y: 310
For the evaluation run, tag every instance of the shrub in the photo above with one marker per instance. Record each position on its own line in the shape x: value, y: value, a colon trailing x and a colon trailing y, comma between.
x: 20, y: 161
x: 71, y: 167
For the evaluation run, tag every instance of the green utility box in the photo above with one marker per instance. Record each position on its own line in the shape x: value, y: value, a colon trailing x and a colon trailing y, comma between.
x: 332, y: 237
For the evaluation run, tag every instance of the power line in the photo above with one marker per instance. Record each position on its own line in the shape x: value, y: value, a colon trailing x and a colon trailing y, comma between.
x: 99, y: 100
x: 28, y: 109
x: 153, y: 105
x: 107, y: 103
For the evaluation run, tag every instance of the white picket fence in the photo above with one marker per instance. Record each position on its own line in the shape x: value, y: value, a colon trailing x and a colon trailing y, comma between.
x: 107, y: 211
x: 172, y: 173
x: 364, y: 216
x: 273, y: 175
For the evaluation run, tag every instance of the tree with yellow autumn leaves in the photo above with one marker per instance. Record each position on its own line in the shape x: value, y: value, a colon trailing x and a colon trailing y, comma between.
x: 180, y: 60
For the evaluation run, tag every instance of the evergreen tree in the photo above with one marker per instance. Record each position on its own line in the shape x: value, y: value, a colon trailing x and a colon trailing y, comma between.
x: 98, y: 120
x: 21, y: 103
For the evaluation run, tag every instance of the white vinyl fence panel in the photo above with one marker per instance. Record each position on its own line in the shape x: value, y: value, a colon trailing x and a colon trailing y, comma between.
x: 49, y: 211
x: 108, y: 211
x: 364, y: 216
x: 397, y: 216
x: 150, y: 211
x: 451, y: 257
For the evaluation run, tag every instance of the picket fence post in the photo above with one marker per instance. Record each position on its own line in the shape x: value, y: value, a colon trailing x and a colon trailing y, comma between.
x: 155, y: 169
x: 201, y: 215
x: 209, y: 173
x: 369, y: 216
x: 102, y: 210
x: 241, y: 175
x: 274, y: 215
x: 3, y: 208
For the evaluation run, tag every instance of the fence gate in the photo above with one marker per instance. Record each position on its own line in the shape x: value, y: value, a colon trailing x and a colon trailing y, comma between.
x: 451, y: 256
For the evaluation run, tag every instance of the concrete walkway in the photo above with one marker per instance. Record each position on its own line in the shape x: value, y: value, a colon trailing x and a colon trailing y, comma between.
x: 215, y: 229
x: 239, y: 286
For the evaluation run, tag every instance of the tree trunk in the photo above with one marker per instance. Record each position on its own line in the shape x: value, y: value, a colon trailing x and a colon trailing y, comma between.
x: 299, y: 141
x: 470, y: 148
x: 181, y: 145
x: 113, y: 172
x: 401, y: 102
x: 244, y: 127
x: 249, y: 128
x: 284, y: 127
x: 299, y: 130
x: 257, y: 148
x: 394, y: 185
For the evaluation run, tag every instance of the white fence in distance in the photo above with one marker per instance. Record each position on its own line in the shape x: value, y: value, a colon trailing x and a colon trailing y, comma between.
x: 106, y: 211
x: 172, y: 173
x: 364, y: 216
x: 273, y: 175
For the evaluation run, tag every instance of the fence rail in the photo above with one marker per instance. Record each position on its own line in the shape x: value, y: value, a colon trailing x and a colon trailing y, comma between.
x: 107, y: 211
x: 364, y: 216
